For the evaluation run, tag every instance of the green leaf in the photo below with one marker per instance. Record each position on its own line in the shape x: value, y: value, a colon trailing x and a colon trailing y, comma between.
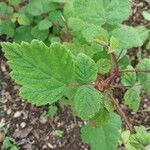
x: 7, y: 27
x: 87, y: 102
x: 23, y: 20
x: 79, y: 45
x: 42, y: 71
x: 144, y: 78
x: 54, y: 39
x: 113, y: 45
x: 146, y: 15
x: 132, y: 98
x: 38, y: 7
x: 105, y: 137
x: 45, y: 24
x: 5, y: 10
x: 23, y: 33
x: 7, y: 143
x: 107, y: 104
x: 56, y: 18
x: 14, y: 17
x: 128, y: 79
x: 123, y: 33
x: 136, y: 141
x: 89, y: 31
x: 59, y: 133
x: 52, y: 110
x: 14, y: 2
x: 101, y: 118
x: 143, y: 32
x: 100, y: 12
x: 60, y: 1
x: 140, y: 139
x: 85, y: 69
x: 103, y: 39
x: 148, y: 45
x: 103, y: 66
x: 39, y: 34
x: 68, y: 10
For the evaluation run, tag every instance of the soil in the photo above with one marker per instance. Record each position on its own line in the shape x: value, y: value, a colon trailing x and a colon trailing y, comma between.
x: 31, y: 131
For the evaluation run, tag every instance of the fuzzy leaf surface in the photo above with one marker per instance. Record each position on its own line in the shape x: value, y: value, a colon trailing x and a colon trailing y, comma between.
x: 143, y: 32
x: 132, y: 98
x: 103, y: 66
x: 123, y: 33
x: 87, y: 102
x: 85, y: 69
x: 42, y: 71
x: 105, y: 137
x: 100, y: 12
x: 144, y: 78
x: 129, y: 79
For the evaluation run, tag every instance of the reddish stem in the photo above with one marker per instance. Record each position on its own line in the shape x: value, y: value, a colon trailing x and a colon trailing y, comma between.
x: 121, y: 113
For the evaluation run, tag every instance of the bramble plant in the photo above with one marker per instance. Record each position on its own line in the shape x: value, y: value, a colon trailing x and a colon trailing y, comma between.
x: 86, y: 70
x: 24, y: 21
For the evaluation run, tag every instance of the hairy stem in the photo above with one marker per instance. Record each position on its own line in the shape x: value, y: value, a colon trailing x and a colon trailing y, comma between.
x: 121, y: 113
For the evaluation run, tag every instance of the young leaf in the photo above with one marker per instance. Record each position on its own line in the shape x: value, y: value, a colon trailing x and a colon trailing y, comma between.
x: 42, y: 71
x: 107, y: 104
x: 85, y: 69
x: 23, y: 20
x: 132, y: 98
x: 105, y: 137
x: 56, y: 18
x: 140, y: 139
x: 144, y: 78
x: 52, y: 111
x: 103, y: 66
x: 87, y: 102
x: 45, y: 24
x: 128, y: 79
x: 103, y: 39
x: 113, y: 44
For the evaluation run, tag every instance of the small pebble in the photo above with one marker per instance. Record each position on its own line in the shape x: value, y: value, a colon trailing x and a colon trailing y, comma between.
x: 146, y: 100
x: 9, y: 111
x: 2, y: 122
x: 43, y: 120
x: 17, y: 114
x: 50, y: 145
x: 23, y: 125
x: 145, y: 105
